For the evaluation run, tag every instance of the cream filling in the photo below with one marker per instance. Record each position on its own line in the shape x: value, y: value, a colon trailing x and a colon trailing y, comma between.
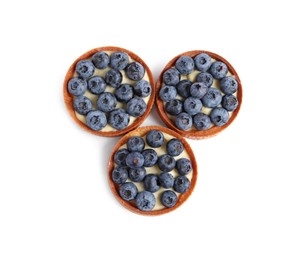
x: 160, y: 151
x: 93, y: 98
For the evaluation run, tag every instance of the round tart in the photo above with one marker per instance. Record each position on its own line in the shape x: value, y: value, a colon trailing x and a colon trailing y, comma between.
x: 152, y: 170
x: 109, y: 91
x: 198, y: 94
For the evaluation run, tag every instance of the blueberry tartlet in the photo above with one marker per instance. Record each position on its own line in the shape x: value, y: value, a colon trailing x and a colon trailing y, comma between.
x: 152, y: 170
x: 109, y: 91
x: 198, y: 94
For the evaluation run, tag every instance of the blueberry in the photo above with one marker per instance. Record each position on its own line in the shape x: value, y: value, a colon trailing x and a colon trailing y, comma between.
x: 135, y: 144
x: 174, y: 147
x: 120, y: 174
x: 150, y: 157
x: 142, y: 88
x: 174, y: 107
x: 128, y: 191
x: 185, y: 65
x: 85, y: 68
x: 203, y: 62
x: 77, y: 86
x: 218, y: 70
x: 229, y: 102
x: 155, y: 138
x: 166, y: 163
x: 136, y: 107
x: 96, y: 85
x: 212, y: 98
x: 137, y: 174
x: 145, y: 201
x: 135, y: 160
x: 183, y: 121
x: 184, y: 166
x: 167, y: 93
x: 124, y: 93
x: 106, y: 102
x: 166, y: 180
x: 118, y: 119
x: 228, y: 85
x: 198, y: 90
x: 171, y: 77
x: 205, y: 78
x: 181, y: 184
x: 183, y: 88
x: 151, y: 183
x: 119, y: 60
x: 219, y: 116
x: 100, y: 60
x: 114, y: 78
x: 168, y: 198
x: 201, y: 121
x: 135, y: 71
x: 96, y: 120
x: 120, y: 157
x: 82, y: 105
x: 192, y: 105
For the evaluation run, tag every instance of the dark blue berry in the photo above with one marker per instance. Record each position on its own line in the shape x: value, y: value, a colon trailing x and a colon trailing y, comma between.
x: 120, y: 174
x: 168, y: 198
x: 212, y: 98
x: 167, y: 93
x: 183, y: 121
x: 229, y: 102
x: 124, y: 93
x: 82, y: 105
x: 174, y: 147
x: 135, y: 71
x: 155, y: 138
x: 150, y: 157
x: 137, y: 174
x: 166, y: 163
x: 142, y: 88
x: 174, y: 107
x: 77, y: 86
x: 203, y: 62
x: 106, y: 102
x: 181, y: 184
x: 96, y: 85
x: 119, y: 60
x: 201, y: 121
x: 151, y: 183
x: 198, y: 90
x: 183, y: 88
x: 128, y: 191
x: 135, y: 160
x: 136, y: 107
x: 184, y: 166
x: 120, y: 157
x: 228, y: 85
x: 218, y: 70
x: 145, y: 201
x: 135, y: 144
x: 100, y: 60
x: 219, y: 116
x: 192, y: 105
x: 96, y: 120
x: 171, y: 77
x: 166, y: 180
x: 114, y: 78
x: 205, y: 78
x: 85, y: 68
x: 118, y: 119
x: 185, y: 65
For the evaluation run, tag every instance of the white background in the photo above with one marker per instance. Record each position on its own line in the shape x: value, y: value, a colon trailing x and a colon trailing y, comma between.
x: 55, y: 202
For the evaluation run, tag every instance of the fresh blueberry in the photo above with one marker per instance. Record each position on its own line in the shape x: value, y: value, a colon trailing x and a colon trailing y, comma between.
x: 135, y: 71
x: 114, y: 78
x: 167, y: 93
x: 201, y: 121
x: 150, y: 157
x: 85, y: 68
x: 184, y: 166
x: 218, y: 70
x: 119, y: 60
x: 155, y: 138
x: 118, y: 119
x: 120, y: 174
x: 229, y: 102
x: 120, y: 157
x: 166, y: 163
x: 77, y: 86
x: 135, y: 160
x: 124, y: 93
x: 145, y: 201
x: 168, y: 198
x: 136, y: 107
x: 203, y: 62
x: 174, y: 107
x: 100, y: 60
x: 192, y: 105
x: 135, y: 144
x: 166, y: 180
x: 205, y: 78
x: 142, y: 88
x: 185, y: 65
x: 198, y: 90
x: 183, y: 88
x: 171, y: 77
x: 96, y: 85
x: 219, y: 116
x: 137, y: 174
x: 106, y: 102
x: 82, y: 105
x: 174, y: 147
x: 96, y: 120
x: 183, y: 121
x: 151, y: 183
x: 128, y: 191
x: 228, y: 85
x: 212, y: 98
x: 181, y: 184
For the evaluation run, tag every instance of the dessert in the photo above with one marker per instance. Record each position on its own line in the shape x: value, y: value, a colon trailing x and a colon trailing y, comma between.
x: 198, y: 94
x: 109, y: 91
